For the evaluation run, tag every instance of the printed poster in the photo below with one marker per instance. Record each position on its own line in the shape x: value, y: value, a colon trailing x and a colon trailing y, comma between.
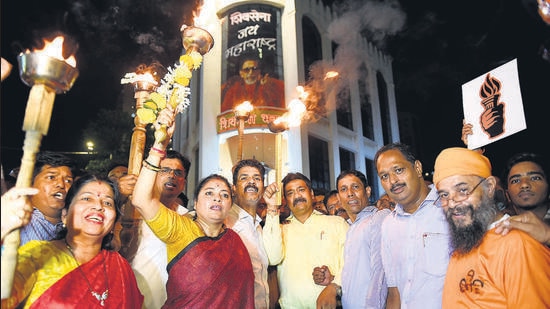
x: 492, y: 104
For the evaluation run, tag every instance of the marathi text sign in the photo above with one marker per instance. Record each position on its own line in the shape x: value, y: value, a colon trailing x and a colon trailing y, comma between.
x: 259, y: 118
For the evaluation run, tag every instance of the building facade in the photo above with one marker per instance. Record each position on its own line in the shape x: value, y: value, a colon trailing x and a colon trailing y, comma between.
x: 350, y: 101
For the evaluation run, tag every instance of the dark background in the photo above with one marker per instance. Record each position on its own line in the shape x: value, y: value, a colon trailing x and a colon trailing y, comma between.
x: 441, y: 46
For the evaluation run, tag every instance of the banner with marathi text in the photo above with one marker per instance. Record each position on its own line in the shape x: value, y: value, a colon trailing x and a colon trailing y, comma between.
x: 259, y: 118
x: 252, y: 68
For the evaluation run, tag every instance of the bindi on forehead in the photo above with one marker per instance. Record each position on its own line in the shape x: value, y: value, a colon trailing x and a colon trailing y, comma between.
x: 103, y: 190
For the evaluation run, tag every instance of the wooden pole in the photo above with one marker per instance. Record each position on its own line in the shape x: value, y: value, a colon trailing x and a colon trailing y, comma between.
x: 129, y: 224
x: 241, y: 137
x: 278, y: 165
x: 36, y: 123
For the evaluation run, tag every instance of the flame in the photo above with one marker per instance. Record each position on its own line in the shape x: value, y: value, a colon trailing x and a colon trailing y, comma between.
x: 54, y: 49
x: 302, y: 93
x: 146, y: 77
x: 544, y: 10
x: 293, y: 118
x: 331, y: 74
x: 202, y: 14
x: 244, y: 108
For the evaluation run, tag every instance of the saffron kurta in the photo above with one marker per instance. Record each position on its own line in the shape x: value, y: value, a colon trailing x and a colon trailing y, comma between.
x: 511, y: 271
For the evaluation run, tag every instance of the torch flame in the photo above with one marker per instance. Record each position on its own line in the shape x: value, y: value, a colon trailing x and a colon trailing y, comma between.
x: 146, y: 77
x: 293, y: 118
x: 201, y: 17
x: 331, y: 74
x: 54, y: 49
x: 302, y: 93
x: 244, y: 108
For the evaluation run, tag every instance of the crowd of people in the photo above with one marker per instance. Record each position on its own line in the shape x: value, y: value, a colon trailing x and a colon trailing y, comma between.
x: 453, y: 243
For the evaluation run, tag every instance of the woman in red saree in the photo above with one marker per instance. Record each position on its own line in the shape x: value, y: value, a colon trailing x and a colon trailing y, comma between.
x: 79, y: 269
x: 208, y: 264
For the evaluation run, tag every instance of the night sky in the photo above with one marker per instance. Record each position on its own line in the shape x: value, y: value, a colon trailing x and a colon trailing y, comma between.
x: 436, y: 47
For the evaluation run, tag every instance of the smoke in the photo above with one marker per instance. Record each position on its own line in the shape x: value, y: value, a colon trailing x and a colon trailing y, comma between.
x: 373, y: 20
x: 136, y: 31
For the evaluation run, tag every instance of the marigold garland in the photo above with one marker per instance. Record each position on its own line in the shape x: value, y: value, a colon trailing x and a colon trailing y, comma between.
x: 173, y: 88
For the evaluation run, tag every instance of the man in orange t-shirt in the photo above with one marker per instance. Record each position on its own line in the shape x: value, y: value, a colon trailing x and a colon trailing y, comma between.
x: 486, y: 270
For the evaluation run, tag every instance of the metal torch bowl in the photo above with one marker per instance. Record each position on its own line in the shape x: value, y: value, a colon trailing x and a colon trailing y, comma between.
x: 195, y: 38
x: 277, y: 127
x: 39, y: 68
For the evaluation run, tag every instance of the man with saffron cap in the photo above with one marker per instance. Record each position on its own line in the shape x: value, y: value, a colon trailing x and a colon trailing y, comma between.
x: 486, y: 270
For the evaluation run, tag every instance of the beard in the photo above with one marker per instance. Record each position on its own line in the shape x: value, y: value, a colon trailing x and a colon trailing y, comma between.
x: 466, y: 238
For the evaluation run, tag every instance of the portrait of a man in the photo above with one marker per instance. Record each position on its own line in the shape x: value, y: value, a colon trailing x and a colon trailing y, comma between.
x: 253, y: 85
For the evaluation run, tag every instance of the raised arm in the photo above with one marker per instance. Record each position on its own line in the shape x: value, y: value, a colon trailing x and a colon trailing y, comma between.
x: 144, y: 198
x: 272, y: 232
x: 467, y: 129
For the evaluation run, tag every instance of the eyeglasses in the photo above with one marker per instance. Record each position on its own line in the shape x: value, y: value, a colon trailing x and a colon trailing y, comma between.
x: 167, y: 171
x: 250, y: 69
x: 461, y: 195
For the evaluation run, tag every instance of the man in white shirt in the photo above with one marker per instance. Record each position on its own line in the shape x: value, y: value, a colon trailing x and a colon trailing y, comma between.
x: 248, y: 189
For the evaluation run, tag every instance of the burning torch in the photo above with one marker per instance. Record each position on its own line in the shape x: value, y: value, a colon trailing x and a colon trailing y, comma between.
x: 242, y: 112
x: 292, y: 118
x: 48, y: 73
x: 145, y: 81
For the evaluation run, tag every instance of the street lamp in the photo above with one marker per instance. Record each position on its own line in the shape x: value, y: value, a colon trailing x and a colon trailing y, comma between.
x: 90, y: 146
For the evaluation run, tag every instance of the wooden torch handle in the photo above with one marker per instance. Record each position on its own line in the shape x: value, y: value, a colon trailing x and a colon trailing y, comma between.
x: 36, y: 123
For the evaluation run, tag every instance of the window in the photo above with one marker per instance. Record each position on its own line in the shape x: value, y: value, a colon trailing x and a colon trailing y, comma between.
x: 319, y: 169
x: 366, y: 107
x: 312, y: 44
x: 372, y: 178
x: 343, y: 112
x: 384, y: 108
x: 347, y: 160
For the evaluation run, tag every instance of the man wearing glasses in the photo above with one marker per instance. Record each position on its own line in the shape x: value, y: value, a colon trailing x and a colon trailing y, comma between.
x: 150, y: 261
x: 254, y: 86
x: 486, y: 270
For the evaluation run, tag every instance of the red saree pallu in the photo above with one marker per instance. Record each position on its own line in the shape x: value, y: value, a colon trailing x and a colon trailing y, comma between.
x: 107, y: 281
x: 211, y: 273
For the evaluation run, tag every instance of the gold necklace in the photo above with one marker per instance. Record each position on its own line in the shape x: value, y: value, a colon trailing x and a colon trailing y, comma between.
x: 100, y: 297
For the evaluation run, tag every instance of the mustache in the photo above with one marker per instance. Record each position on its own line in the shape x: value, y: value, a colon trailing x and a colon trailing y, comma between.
x: 459, y: 210
x: 396, y: 185
x: 340, y: 211
x: 251, y: 186
x: 298, y: 200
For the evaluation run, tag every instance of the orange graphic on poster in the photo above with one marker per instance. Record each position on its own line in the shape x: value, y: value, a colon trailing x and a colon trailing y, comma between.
x: 492, y: 119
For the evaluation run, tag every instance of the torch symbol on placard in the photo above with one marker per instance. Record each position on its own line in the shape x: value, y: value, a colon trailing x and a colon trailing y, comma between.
x: 492, y: 119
